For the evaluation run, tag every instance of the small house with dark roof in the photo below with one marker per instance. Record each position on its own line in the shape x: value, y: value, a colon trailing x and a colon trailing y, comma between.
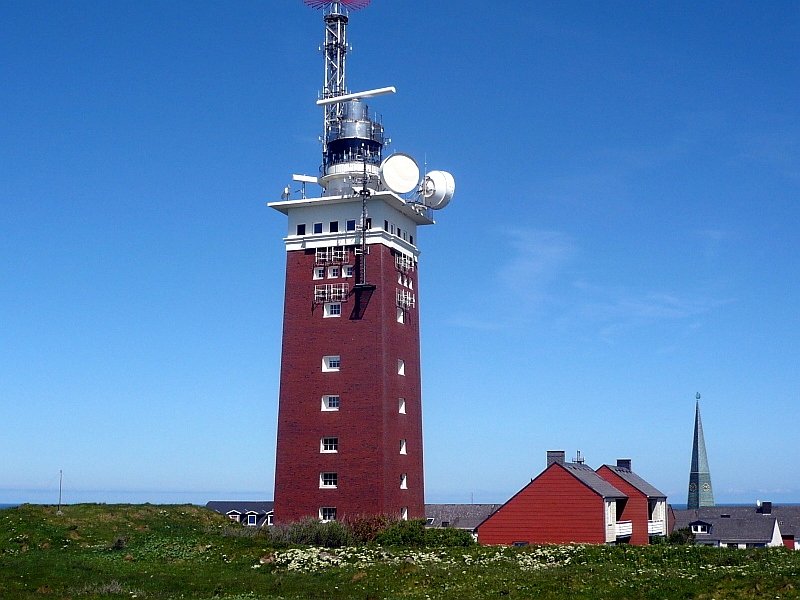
x: 249, y: 514
x: 646, y: 507
x: 763, y: 525
x: 459, y: 516
x: 567, y: 502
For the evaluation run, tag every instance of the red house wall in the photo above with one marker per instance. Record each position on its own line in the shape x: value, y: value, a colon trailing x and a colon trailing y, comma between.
x: 636, y: 508
x: 368, y: 423
x: 553, y: 508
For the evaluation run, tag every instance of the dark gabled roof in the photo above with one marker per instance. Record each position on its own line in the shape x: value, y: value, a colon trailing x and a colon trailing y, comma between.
x: 636, y: 481
x: 461, y: 516
x: 226, y: 506
x: 592, y: 480
x: 749, y: 518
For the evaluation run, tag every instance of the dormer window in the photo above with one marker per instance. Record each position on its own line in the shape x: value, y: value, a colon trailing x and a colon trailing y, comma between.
x: 699, y: 528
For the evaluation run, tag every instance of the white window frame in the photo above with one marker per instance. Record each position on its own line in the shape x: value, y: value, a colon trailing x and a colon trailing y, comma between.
x: 404, y: 513
x: 332, y: 310
x: 234, y: 516
x: 403, y: 447
x: 319, y: 272
x: 331, y: 363
x: 401, y: 315
x: 700, y: 528
x: 317, y: 226
x: 327, y: 513
x: 403, y: 481
x: 401, y: 367
x: 334, y: 272
x: 326, y: 402
x: 252, y: 520
x: 401, y: 406
x: 332, y: 443
x: 331, y: 476
x: 350, y: 225
x: 348, y: 271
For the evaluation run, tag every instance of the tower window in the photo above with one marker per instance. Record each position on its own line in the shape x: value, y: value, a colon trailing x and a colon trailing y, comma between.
x: 401, y: 406
x: 301, y: 229
x: 319, y: 272
x: 329, y: 444
x: 401, y: 315
x: 328, y: 480
x: 334, y: 272
x: 392, y: 229
x: 403, y: 481
x: 386, y: 225
x: 327, y: 513
x: 330, y: 403
x: 411, y: 239
x: 331, y: 363
x: 317, y: 227
x: 348, y: 270
x: 334, y: 226
x: 401, y: 366
x: 404, y: 513
x: 332, y: 309
x: 351, y: 225
x: 403, y: 447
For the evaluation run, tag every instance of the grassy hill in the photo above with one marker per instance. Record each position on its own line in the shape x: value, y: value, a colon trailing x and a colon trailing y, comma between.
x: 95, y: 551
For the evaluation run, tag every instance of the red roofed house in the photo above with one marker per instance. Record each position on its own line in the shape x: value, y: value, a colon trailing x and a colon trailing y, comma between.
x: 567, y: 502
x: 646, y: 508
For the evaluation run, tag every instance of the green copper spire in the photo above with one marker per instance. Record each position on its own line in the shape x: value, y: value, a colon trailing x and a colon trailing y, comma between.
x: 700, y: 491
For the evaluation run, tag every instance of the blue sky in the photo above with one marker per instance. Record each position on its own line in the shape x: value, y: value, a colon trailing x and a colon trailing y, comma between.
x: 623, y: 235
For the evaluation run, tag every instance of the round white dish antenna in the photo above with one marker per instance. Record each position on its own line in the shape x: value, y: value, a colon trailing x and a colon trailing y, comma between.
x: 438, y: 189
x: 400, y: 173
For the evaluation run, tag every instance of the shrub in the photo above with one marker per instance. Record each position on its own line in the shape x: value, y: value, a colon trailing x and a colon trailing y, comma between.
x: 403, y: 533
x: 365, y: 528
x: 311, y: 532
x: 449, y: 537
x: 681, y: 537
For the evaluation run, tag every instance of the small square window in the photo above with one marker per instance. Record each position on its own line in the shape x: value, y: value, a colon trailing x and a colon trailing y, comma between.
x: 328, y: 480
x: 334, y: 272
x: 348, y: 271
x: 402, y: 447
x: 411, y: 239
x: 386, y: 225
x: 351, y: 225
x: 332, y: 309
x: 401, y: 315
x: 319, y: 272
x: 301, y: 229
x: 317, y: 227
x: 330, y: 403
x: 329, y: 445
x: 403, y: 481
x: 429, y: 521
x: 252, y: 520
x: 333, y: 226
x: 401, y: 366
x: 331, y: 363
x: 401, y: 406
x: 327, y: 513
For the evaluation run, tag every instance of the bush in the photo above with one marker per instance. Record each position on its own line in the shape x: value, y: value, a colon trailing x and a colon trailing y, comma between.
x: 365, y: 528
x: 448, y: 537
x: 311, y: 532
x: 681, y: 537
x: 403, y: 533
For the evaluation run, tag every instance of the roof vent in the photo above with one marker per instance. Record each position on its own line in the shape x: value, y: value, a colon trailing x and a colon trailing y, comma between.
x: 624, y: 463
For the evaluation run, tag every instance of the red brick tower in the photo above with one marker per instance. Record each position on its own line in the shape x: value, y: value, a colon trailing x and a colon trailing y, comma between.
x: 350, y: 410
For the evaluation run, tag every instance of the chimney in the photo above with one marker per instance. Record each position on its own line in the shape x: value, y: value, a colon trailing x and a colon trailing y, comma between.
x: 624, y: 463
x: 765, y: 508
x: 555, y: 456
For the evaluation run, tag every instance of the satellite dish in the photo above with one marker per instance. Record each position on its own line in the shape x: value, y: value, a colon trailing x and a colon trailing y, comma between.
x: 438, y: 189
x: 400, y: 173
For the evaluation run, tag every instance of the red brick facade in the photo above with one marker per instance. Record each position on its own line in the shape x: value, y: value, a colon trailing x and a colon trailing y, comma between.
x: 368, y: 425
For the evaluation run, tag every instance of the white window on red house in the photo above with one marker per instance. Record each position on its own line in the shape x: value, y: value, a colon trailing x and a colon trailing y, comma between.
x: 330, y: 403
x: 331, y: 363
x: 328, y: 480
x: 332, y: 309
x: 403, y: 481
x: 401, y: 406
x: 327, y: 513
x: 329, y: 444
x: 319, y: 272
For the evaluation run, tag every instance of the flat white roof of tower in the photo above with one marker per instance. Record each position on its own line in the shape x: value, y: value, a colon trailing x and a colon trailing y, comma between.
x: 416, y: 212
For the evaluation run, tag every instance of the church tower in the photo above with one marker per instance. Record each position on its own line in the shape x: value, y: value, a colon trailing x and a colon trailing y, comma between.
x: 700, y: 491
x: 350, y: 406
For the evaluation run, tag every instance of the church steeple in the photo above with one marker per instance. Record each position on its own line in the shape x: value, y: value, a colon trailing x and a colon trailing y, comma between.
x: 700, y: 490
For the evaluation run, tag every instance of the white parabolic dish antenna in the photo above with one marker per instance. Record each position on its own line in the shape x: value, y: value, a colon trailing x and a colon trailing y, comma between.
x: 400, y: 173
x: 438, y: 189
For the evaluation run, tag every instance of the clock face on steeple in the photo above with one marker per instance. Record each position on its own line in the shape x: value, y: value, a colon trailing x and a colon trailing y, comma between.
x: 706, y: 486
x: 692, y: 487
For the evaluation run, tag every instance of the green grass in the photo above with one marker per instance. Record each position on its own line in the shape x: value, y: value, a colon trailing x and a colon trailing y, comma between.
x: 157, y: 552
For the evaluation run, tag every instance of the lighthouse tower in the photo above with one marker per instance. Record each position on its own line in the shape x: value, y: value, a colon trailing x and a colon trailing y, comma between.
x: 350, y: 408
